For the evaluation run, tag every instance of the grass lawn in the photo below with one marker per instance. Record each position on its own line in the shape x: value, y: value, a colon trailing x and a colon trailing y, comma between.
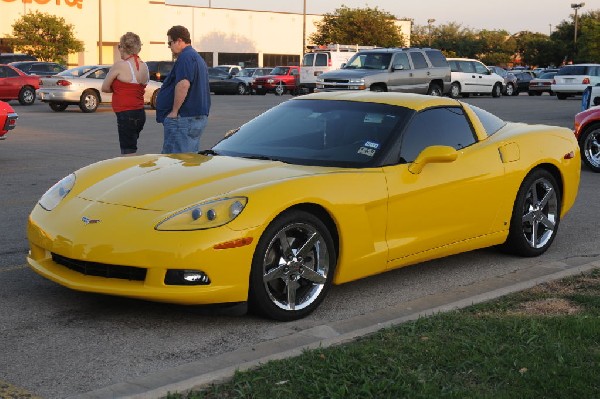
x: 540, y: 343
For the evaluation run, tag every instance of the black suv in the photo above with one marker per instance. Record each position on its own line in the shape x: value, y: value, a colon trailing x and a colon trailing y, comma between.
x: 159, y: 69
x: 6, y: 58
x: 39, y: 68
x: 412, y: 70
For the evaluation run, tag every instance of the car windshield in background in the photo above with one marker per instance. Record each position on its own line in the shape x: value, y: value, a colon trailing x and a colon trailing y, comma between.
x: 369, y: 61
x: 245, y: 73
x: 280, y: 71
x: 547, y: 75
x: 319, y: 132
x: 76, y: 72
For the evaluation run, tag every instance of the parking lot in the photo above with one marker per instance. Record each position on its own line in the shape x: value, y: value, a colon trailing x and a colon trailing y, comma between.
x: 60, y: 343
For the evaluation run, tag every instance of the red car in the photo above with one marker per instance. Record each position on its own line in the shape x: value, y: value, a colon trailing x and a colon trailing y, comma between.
x: 281, y: 79
x: 8, y: 119
x: 17, y: 85
x: 587, y: 131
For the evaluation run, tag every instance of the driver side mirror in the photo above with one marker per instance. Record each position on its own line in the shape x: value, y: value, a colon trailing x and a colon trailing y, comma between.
x: 433, y: 154
x: 397, y: 67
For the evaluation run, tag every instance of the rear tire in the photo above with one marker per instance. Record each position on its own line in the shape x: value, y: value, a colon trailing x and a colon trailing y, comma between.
x: 89, y: 101
x: 589, y: 144
x: 536, y: 215
x: 434, y: 90
x: 153, y: 99
x: 455, y: 90
x: 378, y: 88
x: 58, y: 107
x: 497, y: 90
x: 510, y: 89
x: 241, y: 89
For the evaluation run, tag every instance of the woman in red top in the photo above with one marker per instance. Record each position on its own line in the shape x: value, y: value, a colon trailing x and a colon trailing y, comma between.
x: 127, y: 81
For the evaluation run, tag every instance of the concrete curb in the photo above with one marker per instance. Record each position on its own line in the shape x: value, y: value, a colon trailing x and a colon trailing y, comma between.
x: 221, y: 367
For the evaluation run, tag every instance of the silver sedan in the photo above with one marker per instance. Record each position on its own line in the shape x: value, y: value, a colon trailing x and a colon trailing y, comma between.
x: 81, y: 86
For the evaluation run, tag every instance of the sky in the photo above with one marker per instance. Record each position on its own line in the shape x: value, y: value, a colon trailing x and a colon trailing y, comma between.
x: 511, y: 15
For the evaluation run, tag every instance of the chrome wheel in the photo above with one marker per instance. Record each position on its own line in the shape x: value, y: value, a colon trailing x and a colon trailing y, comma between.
x: 280, y: 89
x: 536, y: 215
x: 455, y: 90
x: 510, y: 89
x: 590, y: 147
x: 26, y: 96
x: 292, y: 267
x: 89, y: 101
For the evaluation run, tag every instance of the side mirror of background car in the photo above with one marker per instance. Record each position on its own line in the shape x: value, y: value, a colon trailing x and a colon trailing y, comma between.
x: 433, y: 154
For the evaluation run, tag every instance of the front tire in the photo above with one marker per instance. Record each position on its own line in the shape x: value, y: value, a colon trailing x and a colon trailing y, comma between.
x: 536, y: 215
x: 27, y: 96
x: 280, y: 89
x: 89, y: 101
x: 292, y: 267
x: 589, y: 143
x: 241, y: 89
x: 510, y: 89
x: 455, y: 90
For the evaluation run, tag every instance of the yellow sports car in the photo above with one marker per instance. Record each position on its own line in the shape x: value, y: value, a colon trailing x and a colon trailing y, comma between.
x: 320, y: 190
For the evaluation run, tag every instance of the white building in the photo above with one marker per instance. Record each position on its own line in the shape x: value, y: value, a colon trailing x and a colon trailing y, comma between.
x: 221, y: 36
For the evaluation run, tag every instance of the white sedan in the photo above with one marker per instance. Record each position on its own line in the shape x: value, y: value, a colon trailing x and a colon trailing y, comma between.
x: 81, y: 86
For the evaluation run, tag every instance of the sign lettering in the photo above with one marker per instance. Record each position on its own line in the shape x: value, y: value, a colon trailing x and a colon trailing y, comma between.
x: 70, y: 3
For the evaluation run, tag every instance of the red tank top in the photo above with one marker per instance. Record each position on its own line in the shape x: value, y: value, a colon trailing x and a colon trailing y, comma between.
x: 128, y: 96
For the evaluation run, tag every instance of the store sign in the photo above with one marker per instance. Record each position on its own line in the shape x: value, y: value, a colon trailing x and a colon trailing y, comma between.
x: 70, y: 3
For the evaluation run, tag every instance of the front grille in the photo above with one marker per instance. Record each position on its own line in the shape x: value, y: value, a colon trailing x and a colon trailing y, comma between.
x: 101, y: 269
x: 345, y: 81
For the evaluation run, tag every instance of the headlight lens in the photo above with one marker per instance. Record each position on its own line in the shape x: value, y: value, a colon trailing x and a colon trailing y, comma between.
x: 271, y: 81
x: 205, y: 215
x: 57, y: 192
x: 357, y: 80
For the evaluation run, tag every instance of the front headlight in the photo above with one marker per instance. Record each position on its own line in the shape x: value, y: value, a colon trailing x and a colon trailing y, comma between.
x: 360, y: 81
x: 270, y: 81
x: 57, y: 192
x: 205, y: 215
x: 320, y: 80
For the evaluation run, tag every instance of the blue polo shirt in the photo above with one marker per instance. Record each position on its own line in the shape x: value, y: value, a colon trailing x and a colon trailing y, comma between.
x: 189, y: 65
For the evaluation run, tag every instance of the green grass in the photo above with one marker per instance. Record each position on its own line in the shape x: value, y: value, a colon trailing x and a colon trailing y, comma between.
x: 539, y: 343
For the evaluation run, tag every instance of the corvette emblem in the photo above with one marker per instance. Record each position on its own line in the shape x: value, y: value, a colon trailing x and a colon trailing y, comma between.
x: 87, y: 220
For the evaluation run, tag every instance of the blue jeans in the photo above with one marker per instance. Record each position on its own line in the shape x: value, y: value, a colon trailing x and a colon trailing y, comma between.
x: 182, y: 134
x: 130, y: 124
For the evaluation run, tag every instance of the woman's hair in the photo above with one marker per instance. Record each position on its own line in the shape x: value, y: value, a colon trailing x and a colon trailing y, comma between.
x: 131, y: 43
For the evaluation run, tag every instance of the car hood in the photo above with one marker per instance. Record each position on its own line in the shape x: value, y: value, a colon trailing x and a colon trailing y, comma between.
x: 168, y: 182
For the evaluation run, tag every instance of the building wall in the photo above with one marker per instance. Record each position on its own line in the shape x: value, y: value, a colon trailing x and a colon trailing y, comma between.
x: 213, y: 30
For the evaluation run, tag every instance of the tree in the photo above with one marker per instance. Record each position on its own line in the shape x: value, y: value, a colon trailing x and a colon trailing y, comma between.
x: 362, y: 26
x: 45, y: 36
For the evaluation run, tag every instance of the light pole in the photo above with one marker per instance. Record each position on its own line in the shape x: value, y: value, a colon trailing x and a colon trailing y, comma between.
x: 430, y: 21
x: 576, y: 6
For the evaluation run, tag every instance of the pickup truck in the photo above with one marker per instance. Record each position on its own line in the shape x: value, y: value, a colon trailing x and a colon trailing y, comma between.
x: 282, y: 79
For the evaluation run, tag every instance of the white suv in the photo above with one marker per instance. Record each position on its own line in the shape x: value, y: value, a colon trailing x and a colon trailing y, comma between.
x: 571, y: 80
x: 473, y: 77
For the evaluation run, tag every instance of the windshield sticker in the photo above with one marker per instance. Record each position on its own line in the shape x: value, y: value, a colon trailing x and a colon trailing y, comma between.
x: 373, y: 118
x: 366, y: 151
x: 372, y: 144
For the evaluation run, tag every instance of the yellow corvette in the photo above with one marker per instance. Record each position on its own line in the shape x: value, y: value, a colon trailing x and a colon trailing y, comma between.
x: 320, y: 190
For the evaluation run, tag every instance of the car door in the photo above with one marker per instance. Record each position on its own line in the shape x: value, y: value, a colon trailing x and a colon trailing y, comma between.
x: 10, y: 83
x: 401, y: 76
x: 485, y: 79
x: 466, y: 76
x: 94, y: 79
x: 421, y: 73
x: 445, y: 203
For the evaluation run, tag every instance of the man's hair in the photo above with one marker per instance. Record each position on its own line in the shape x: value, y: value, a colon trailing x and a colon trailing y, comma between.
x: 179, y: 32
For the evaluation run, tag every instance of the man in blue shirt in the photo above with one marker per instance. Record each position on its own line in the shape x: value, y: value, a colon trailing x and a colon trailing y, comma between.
x: 183, y: 102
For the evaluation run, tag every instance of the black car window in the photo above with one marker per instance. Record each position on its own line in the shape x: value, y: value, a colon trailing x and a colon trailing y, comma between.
x: 321, y: 59
x: 436, y: 126
x: 3, y: 71
x: 491, y: 123
x: 436, y: 58
x: 573, y: 70
x: 10, y: 73
x: 418, y: 60
x: 308, y: 59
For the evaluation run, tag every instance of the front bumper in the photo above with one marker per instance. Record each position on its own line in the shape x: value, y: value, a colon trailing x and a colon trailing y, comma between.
x: 112, y: 242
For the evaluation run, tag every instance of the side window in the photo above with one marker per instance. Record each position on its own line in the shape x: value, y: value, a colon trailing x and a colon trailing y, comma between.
x: 3, y: 71
x: 454, y: 67
x: 436, y: 126
x: 466, y: 66
x: 436, y: 58
x: 321, y: 59
x: 11, y: 73
x: 480, y: 68
x: 418, y: 60
x: 401, y: 61
x: 99, y: 74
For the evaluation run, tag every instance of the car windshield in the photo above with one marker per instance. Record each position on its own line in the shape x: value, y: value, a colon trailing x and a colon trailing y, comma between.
x: 369, y: 61
x: 76, y: 72
x: 280, y: 71
x: 319, y: 132
x: 547, y: 75
x: 246, y: 73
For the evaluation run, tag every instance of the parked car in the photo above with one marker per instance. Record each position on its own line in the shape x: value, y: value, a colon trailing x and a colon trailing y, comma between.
x: 82, y: 86
x: 248, y: 75
x: 510, y: 80
x: 541, y: 84
x: 159, y: 69
x: 282, y: 79
x: 471, y: 76
x: 17, y: 85
x: 230, y: 69
x: 39, y: 68
x: 587, y: 131
x: 222, y: 82
x: 7, y: 58
x: 572, y: 80
x: 409, y: 70
x: 8, y: 119
x: 324, y: 58
x: 306, y: 195
x: 523, y: 79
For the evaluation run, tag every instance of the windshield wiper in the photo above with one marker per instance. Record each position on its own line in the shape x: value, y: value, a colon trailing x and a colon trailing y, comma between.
x: 208, y: 152
x: 262, y: 158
